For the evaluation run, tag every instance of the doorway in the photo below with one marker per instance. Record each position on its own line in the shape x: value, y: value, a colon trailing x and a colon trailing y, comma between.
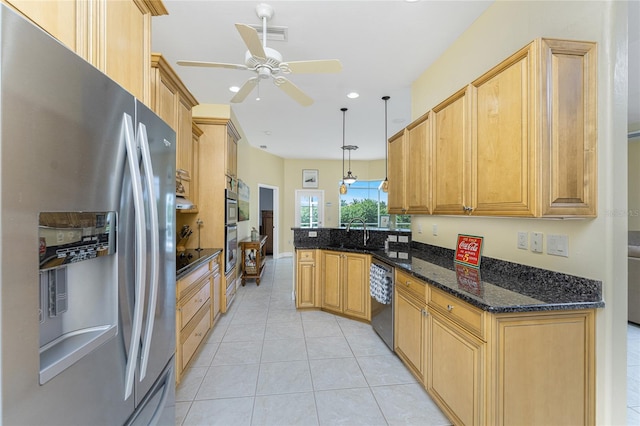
x: 268, y: 217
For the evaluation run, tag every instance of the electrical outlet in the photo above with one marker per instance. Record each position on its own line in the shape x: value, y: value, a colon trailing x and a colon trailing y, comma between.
x: 403, y: 239
x: 313, y: 233
x: 393, y: 238
x: 434, y: 229
x: 419, y: 229
x: 536, y: 242
x: 523, y: 240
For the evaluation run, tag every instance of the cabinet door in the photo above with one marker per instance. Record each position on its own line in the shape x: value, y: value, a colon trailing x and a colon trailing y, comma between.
x: 549, y: 358
x: 418, y: 173
x: 184, y: 137
x: 455, y: 375
x: 569, y: 102
x: 396, y: 169
x: 332, y: 281
x: 232, y: 151
x: 65, y: 20
x: 357, y: 298
x: 504, y: 153
x: 409, y: 332
x: 306, y: 285
x: 125, y: 46
x: 451, y: 156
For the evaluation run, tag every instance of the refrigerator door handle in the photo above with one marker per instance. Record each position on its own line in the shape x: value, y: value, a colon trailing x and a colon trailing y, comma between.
x: 141, y: 243
x: 143, y: 143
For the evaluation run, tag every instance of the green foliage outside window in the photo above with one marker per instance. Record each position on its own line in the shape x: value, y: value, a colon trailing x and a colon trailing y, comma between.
x: 364, y: 200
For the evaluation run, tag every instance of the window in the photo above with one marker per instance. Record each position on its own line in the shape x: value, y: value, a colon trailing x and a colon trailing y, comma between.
x: 309, y: 211
x: 363, y: 199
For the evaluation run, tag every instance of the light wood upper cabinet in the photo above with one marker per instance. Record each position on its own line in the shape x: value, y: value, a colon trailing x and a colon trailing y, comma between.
x: 173, y: 102
x: 568, y: 110
x: 397, y: 178
x: 232, y: 151
x: 503, y: 138
x: 418, y: 172
x: 114, y: 36
x: 519, y: 141
x: 451, y: 155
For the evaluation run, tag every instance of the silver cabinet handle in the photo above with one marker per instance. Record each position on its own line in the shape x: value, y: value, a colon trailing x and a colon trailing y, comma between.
x: 449, y: 308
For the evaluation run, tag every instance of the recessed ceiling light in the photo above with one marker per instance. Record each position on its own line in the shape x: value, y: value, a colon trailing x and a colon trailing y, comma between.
x: 263, y: 146
x: 353, y: 95
x: 267, y: 132
x: 398, y: 120
x: 234, y: 89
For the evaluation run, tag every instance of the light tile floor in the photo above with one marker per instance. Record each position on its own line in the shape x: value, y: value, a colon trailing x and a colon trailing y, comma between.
x: 265, y: 363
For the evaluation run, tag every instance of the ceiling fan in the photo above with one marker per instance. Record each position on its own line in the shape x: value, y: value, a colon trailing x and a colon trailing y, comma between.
x: 266, y: 62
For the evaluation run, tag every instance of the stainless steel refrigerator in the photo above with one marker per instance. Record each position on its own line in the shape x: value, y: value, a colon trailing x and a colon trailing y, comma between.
x: 87, y: 219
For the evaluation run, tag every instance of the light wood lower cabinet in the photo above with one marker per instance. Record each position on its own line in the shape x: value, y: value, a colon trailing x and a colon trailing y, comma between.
x: 306, y: 287
x: 345, y: 283
x: 455, y: 372
x: 198, y: 298
x: 410, y: 323
x: 524, y: 368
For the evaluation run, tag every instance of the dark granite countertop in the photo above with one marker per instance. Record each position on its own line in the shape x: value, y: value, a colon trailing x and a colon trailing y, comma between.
x: 498, y: 286
x: 190, y: 259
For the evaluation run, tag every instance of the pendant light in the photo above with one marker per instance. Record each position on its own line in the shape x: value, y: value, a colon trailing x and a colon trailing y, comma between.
x: 385, y: 183
x: 349, y: 178
x: 343, y: 186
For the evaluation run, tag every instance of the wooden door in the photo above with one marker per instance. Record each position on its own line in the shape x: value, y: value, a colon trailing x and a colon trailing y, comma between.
x: 418, y: 173
x: 267, y: 229
x: 332, y: 281
x: 451, y: 156
x: 504, y: 149
x: 396, y: 169
x: 357, y: 298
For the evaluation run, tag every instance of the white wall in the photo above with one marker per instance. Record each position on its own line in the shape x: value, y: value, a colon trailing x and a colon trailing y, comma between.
x: 597, y: 247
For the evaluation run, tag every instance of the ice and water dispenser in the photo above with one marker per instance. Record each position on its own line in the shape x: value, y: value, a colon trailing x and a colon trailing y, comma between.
x: 78, y: 287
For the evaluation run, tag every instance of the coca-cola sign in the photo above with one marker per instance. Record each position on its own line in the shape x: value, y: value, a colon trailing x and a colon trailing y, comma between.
x: 469, y: 250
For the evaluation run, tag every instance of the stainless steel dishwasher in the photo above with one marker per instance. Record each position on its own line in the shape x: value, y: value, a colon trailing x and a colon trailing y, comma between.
x: 381, y: 284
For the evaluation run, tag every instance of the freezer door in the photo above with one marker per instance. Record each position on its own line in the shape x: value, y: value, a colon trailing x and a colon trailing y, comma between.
x: 60, y: 151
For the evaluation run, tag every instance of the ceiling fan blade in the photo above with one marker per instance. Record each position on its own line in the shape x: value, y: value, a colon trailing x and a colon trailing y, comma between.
x: 211, y: 65
x: 293, y: 91
x: 309, y: 67
x: 246, y: 88
x: 252, y: 40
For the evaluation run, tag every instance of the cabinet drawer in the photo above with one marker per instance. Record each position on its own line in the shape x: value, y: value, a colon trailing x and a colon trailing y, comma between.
x: 410, y: 284
x: 193, y: 303
x: 458, y: 311
x: 306, y: 255
x: 191, y: 341
x: 182, y: 286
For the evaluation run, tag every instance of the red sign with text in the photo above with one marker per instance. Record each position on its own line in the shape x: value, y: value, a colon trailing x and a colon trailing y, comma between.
x: 469, y: 250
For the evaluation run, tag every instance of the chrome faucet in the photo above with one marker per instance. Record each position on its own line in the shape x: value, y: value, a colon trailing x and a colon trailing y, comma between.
x: 365, y: 234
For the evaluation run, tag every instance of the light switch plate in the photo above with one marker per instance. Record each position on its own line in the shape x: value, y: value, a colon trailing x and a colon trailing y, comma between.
x: 536, y: 242
x: 392, y: 238
x: 558, y: 245
x: 403, y: 239
x: 313, y: 233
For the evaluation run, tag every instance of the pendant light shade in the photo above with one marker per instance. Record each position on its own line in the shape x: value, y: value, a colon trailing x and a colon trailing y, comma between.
x: 385, y: 183
x: 349, y: 178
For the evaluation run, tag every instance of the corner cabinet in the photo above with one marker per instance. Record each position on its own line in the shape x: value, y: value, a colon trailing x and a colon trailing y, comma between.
x: 345, y: 284
x: 114, y: 36
x: 519, y: 141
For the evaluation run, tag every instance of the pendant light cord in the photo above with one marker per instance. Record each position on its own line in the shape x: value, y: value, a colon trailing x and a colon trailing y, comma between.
x: 344, y: 111
x: 386, y: 139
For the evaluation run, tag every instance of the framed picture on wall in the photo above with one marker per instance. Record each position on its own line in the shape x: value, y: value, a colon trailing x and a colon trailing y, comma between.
x: 243, y: 201
x: 309, y: 178
x: 384, y: 221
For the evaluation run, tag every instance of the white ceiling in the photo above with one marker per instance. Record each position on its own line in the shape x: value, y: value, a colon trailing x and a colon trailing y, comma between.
x: 383, y: 45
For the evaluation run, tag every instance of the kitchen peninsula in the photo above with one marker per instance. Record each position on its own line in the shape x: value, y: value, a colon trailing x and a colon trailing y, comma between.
x: 495, y: 344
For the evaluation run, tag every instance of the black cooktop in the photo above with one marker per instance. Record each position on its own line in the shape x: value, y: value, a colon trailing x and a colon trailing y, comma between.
x: 191, y: 257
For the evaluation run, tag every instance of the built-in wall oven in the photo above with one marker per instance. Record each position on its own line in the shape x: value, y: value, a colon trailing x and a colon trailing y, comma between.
x: 231, y: 230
